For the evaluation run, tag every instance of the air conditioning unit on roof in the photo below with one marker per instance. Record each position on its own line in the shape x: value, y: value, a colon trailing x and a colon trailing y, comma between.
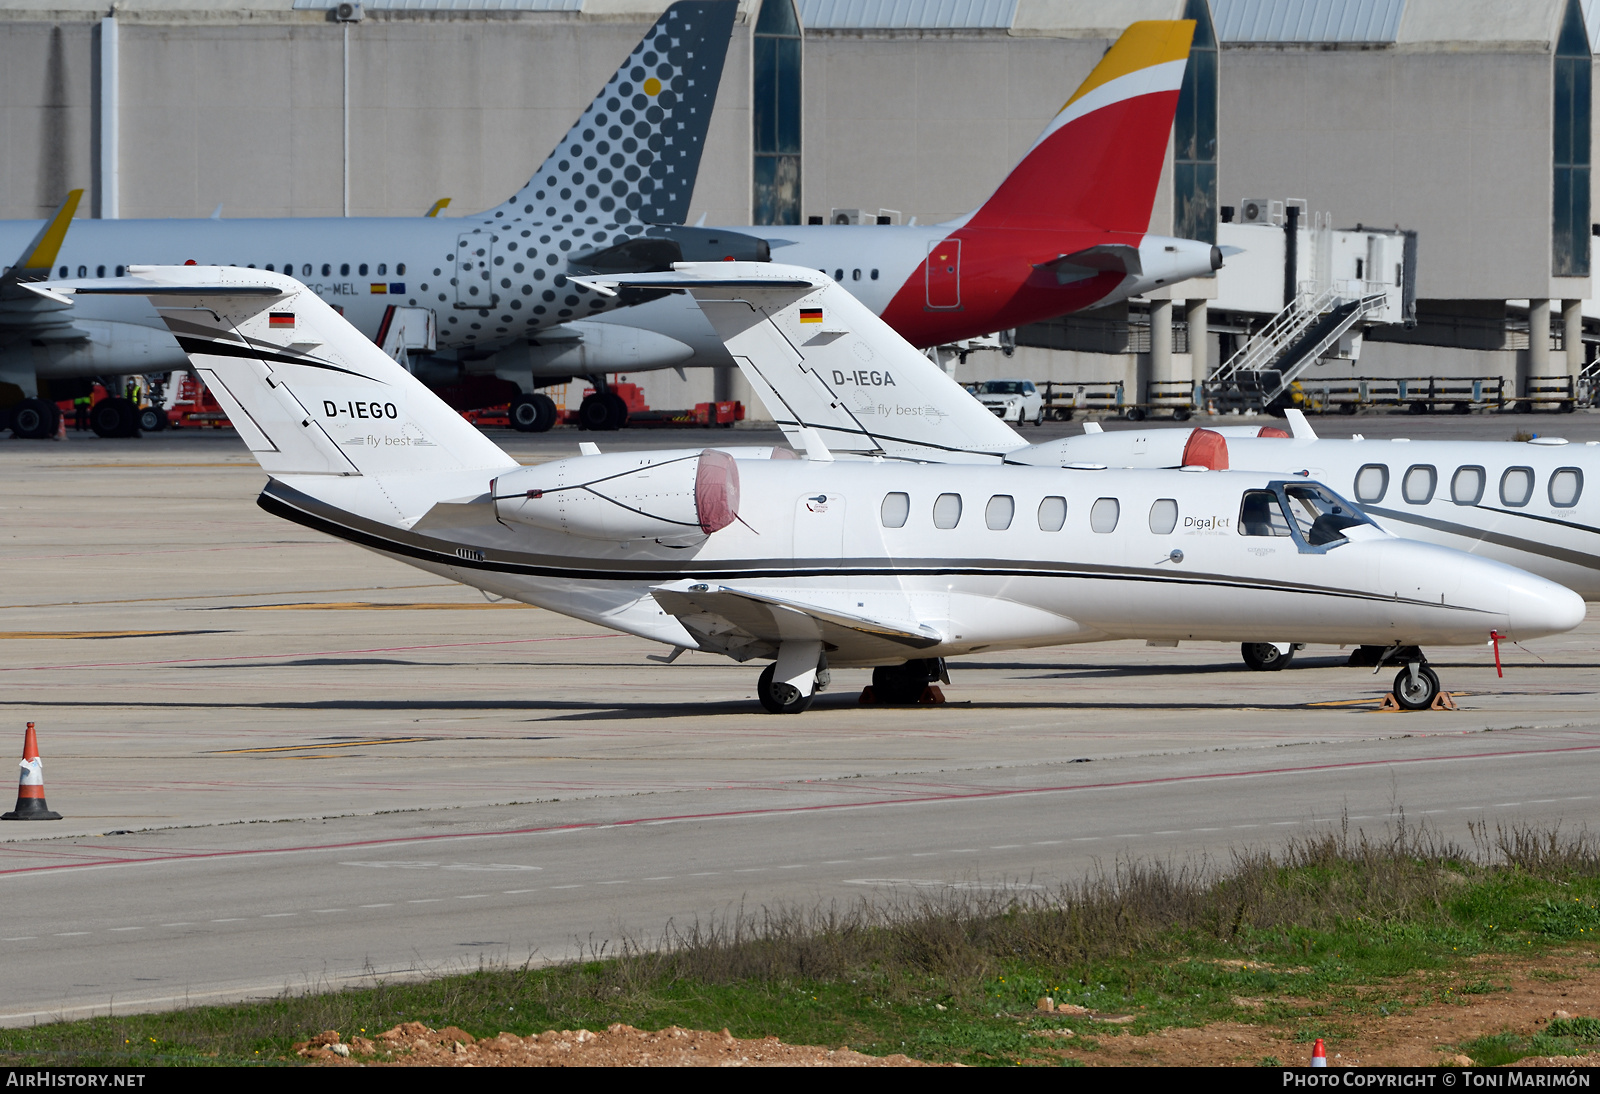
x: 1255, y: 211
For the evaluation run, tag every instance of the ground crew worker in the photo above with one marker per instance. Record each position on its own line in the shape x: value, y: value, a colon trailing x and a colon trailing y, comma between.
x: 80, y: 412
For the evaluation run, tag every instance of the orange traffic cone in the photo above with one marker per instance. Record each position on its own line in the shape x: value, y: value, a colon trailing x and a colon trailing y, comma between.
x: 61, y: 427
x: 1319, y: 1055
x: 30, y: 786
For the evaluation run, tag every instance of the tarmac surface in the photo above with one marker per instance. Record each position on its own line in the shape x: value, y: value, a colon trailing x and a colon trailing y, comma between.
x: 285, y: 762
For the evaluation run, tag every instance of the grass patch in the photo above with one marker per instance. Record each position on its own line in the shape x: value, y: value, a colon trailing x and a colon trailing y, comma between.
x: 1304, y: 938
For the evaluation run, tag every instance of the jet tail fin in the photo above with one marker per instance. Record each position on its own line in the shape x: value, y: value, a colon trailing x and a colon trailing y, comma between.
x: 1099, y: 160
x: 308, y: 393
x: 651, y: 117
x: 823, y: 362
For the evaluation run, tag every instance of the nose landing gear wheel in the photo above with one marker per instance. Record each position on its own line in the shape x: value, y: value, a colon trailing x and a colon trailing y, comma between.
x: 1264, y: 656
x: 781, y: 698
x: 1419, y: 692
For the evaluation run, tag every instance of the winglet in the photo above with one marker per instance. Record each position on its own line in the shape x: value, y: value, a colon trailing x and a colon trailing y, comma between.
x: 438, y: 207
x: 40, y: 253
x: 1299, y: 426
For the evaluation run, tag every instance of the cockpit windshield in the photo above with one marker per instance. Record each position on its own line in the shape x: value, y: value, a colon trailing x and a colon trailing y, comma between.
x: 1306, y: 511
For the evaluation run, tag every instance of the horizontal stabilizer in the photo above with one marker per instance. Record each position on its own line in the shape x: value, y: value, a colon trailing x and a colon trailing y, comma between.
x: 823, y: 361
x: 755, y: 622
x: 1093, y: 261
x: 308, y: 393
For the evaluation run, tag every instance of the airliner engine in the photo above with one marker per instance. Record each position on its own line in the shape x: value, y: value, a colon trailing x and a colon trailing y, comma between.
x: 657, y: 495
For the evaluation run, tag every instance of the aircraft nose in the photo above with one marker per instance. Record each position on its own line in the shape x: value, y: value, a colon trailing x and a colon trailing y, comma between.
x: 1540, y: 607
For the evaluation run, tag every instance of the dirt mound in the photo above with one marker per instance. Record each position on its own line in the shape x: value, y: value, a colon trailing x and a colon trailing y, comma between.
x: 413, y: 1044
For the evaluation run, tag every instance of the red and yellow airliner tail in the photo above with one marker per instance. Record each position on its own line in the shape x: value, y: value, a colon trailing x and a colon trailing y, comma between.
x: 1099, y: 160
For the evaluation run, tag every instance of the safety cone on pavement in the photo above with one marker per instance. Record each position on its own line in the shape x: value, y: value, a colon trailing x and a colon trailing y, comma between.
x: 1319, y: 1055
x: 61, y: 427
x: 30, y: 786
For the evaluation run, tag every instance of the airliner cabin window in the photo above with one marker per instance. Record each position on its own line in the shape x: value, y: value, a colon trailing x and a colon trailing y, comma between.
x: 400, y: 268
x: 1466, y: 486
x: 1261, y: 515
x: 998, y: 514
x: 99, y: 271
x: 1103, y: 515
x: 362, y: 269
x: 1419, y: 484
x: 305, y: 271
x: 83, y: 271
x: 344, y: 269
x: 1566, y: 486
x: 1052, y: 514
x: 1163, y: 516
x: 383, y: 268
x: 121, y: 270
x: 947, y: 511
x: 896, y: 508
x: 327, y: 269
x: 1516, y: 486
x: 1372, y: 482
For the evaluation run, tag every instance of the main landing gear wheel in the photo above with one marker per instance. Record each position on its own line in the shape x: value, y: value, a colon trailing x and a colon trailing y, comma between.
x: 1265, y: 657
x: 1418, y: 690
x: 603, y: 411
x: 114, y: 418
x: 780, y: 698
x: 34, y: 419
x: 151, y: 420
x: 534, y: 413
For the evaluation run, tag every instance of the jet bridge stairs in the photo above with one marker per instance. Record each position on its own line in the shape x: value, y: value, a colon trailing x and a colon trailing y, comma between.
x: 1259, y: 375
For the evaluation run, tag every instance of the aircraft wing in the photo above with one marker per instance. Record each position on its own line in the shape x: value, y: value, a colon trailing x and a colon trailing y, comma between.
x: 834, y: 376
x: 39, y: 316
x: 749, y: 623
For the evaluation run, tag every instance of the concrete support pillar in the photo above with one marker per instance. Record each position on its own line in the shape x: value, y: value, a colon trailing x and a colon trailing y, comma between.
x: 1197, y: 315
x: 1572, y: 330
x: 107, y: 105
x: 1160, y: 342
x: 1538, y: 339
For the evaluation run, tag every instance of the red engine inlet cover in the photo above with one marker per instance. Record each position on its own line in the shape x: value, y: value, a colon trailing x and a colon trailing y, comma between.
x: 1206, y: 448
x: 716, y: 490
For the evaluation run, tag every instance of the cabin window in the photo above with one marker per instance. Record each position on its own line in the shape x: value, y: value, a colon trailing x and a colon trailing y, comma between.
x: 838, y: 275
x: 1466, y: 486
x: 947, y: 511
x: 305, y: 271
x: 1261, y: 515
x: 997, y: 515
x: 874, y: 275
x: 1516, y: 486
x: 121, y: 270
x: 83, y: 271
x: 383, y: 268
x: 64, y: 272
x: 855, y: 275
x: 1419, y: 484
x: 1566, y: 487
x: 327, y: 270
x: 400, y: 267
x: 344, y: 269
x: 896, y: 508
x: 1052, y: 514
x: 1103, y: 515
x: 99, y: 271
x: 1372, y: 482
x: 361, y: 270
x: 1164, y: 516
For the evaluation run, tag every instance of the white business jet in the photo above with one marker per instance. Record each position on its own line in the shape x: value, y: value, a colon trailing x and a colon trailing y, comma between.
x: 1531, y: 504
x: 816, y: 562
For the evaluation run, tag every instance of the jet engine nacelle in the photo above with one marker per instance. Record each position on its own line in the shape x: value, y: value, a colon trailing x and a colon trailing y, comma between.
x: 672, y: 495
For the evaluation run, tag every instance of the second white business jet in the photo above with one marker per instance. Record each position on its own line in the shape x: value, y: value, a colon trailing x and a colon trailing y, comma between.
x: 811, y: 563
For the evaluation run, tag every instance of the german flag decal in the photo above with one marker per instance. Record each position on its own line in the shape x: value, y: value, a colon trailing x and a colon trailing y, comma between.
x: 810, y: 315
x: 277, y: 319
